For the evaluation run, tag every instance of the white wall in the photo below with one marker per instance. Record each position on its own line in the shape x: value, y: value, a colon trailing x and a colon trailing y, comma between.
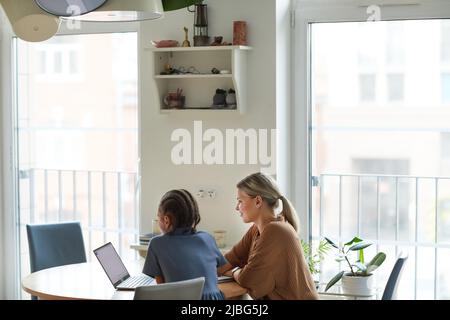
x: 158, y: 173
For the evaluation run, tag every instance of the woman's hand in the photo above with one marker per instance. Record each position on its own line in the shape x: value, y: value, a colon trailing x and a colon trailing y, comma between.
x: 235, y: 274
x: 225, y: 270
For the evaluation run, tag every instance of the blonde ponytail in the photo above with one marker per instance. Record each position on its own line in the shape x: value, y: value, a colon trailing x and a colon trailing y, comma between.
x: 289, y: 214
x: 259, y: 184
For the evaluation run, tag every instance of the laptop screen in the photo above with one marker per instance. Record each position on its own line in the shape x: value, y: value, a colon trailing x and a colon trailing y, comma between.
x: 111, y: 263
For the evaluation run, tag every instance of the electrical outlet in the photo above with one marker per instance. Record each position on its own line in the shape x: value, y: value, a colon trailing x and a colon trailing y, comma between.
x: 200, y: 193
x: 211, y: 193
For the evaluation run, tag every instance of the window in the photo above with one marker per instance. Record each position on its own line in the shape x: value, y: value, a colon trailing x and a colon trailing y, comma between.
x: 59, y: 60
x: 395, y: 87
x: 445, y: 41
x: 395, y: 45
x: 445, y: 145
x: 445, y: 85
x: 382, y: 172
x: 78, y: 142
x: 367, y: 84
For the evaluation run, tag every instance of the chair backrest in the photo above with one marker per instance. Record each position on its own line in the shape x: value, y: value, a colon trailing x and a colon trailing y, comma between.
x: 182, y: 290
x: 390, y: 290
x: 53, y: 245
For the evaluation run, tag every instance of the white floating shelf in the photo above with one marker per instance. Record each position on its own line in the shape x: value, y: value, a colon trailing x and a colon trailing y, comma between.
x: 207, y: 48
x: 193, y: 76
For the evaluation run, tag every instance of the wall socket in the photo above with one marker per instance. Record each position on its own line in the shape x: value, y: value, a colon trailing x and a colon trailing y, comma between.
x: 206, y: 193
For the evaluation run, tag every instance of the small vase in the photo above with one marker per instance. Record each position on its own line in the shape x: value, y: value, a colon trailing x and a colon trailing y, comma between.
x: 239, y: 33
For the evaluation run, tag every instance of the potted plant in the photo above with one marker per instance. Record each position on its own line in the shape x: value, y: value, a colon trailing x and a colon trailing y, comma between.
x: 315, y: 257
x: 358, y: 280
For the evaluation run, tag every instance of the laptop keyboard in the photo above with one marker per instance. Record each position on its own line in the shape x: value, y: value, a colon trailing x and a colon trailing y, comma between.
x: 137, y: 281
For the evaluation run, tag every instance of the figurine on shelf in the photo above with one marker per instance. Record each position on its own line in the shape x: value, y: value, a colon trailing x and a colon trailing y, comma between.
x: 217, y: 41
x: 231, y: 98
x: 219, y: 99
x: 186, y: 42
x: 168, y: 70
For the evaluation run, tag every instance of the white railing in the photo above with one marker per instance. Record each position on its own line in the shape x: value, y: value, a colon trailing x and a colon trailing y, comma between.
x: 330, y: 193
x: 72, y: 195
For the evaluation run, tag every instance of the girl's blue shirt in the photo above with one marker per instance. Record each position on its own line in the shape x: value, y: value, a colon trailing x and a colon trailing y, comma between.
x: 183, y: 254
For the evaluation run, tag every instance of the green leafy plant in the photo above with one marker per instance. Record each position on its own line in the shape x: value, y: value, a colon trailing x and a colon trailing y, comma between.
x: 314, y: 258
x: 359, y: 267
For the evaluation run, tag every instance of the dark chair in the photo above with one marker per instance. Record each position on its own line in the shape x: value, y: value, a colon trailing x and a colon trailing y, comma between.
x: 390, y: 290
x: 181, y: 290
x: 53, y: 245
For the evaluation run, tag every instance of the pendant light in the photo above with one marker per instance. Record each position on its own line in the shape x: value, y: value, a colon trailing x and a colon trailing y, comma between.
x: 28, y: 21
x: 66, y: 8
x: 123, y: 10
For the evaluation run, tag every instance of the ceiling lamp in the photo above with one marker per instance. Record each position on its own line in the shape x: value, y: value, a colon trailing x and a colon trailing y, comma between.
x: 28, y: 21
x: 104, y: 10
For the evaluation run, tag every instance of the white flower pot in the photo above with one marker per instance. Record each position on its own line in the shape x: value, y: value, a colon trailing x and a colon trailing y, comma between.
x: 358, y: 286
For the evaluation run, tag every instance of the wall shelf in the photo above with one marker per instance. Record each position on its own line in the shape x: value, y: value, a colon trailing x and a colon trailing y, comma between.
x: 200, y: 88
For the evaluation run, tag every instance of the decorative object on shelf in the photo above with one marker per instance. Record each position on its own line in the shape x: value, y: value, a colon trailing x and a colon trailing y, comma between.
x: 165, y: 43
x: 171, y: 69
x: 219, y: 99
x: 28, y: 21
x: 104, y: 10
x: 231, y: 98
x: 186, y: 42
x: 201, y: 37
x: 360, y: 278
x: 175, y: 99
x: 190, y: 70
x: 239, y: 33
x: 167, y: 70
x: 225, y: 72
x: 217, y: 41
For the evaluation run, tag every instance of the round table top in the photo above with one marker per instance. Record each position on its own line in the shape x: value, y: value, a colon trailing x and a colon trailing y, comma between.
x: 89, y: 281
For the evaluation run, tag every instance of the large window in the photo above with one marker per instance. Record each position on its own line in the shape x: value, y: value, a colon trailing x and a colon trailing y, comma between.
x: 78, y: 137
x: 382, y: 167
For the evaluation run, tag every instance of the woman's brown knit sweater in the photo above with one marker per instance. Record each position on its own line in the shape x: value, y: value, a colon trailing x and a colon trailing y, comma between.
x: 273, y: 265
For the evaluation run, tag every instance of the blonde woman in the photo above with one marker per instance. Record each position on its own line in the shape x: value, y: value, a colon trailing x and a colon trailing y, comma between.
x: 268, y: 260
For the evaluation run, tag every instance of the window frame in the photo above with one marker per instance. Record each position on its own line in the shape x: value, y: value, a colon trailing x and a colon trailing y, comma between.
x: 307, y: 12
x: 10, y: 287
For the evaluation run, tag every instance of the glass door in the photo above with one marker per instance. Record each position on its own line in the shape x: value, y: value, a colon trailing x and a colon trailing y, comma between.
x: 77, y: 127
x: 380, y: 141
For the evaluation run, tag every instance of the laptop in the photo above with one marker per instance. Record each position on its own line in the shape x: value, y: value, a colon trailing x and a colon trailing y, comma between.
x: 116, y: 270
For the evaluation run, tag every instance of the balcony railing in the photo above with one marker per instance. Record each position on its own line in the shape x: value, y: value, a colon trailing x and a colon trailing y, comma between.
x: 407, y: 213
x: 105, y: 203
